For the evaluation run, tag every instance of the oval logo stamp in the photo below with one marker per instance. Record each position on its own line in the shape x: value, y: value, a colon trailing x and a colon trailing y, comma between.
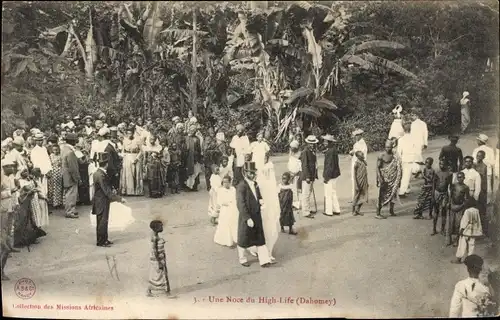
x: 25, y: 288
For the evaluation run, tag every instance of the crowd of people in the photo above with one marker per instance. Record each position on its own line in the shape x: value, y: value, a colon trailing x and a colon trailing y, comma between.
x: 60, y: 168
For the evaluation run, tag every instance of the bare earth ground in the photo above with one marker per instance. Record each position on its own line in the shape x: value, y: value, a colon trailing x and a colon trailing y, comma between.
x: 373, y: 268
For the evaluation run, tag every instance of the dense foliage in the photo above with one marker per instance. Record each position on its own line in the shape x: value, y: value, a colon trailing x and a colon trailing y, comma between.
x: 328, y: 64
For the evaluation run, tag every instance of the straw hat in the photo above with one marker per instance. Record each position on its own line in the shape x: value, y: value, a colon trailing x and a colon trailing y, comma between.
x: 38, y: 137
x: 7, y: 161
x: 482, y: 137
x: 312, y: 139
x: 18, y: 141
x: 328, y: 137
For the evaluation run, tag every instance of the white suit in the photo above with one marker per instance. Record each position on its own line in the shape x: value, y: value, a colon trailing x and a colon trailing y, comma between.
x: 408, y: 150
x: 421, y: 136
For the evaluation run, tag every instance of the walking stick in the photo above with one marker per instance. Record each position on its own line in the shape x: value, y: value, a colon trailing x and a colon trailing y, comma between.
x: 314, y: 197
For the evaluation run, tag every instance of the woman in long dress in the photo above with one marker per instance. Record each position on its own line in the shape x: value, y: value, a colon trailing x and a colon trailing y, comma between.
x: 226, y: 233
x: 131, y: 179
x: 465, y: 111
x: 42, y: 209
x: 153, y: 172
x: 55, y: 192
x: 266, y: 180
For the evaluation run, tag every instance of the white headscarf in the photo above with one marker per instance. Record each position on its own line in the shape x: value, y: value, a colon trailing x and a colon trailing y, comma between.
x: 464, y: 99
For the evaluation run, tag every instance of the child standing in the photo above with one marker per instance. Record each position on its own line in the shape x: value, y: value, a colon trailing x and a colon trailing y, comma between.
x: 426, y: 194
x: 459, y: 195
x: 173, y: 169
x: 158, y: 274
x: 360, y: 183
x: 470, y: 229
x: 227, y: 228
x: 215, y: 182
x: 226, y: 168
x: 286, y: 204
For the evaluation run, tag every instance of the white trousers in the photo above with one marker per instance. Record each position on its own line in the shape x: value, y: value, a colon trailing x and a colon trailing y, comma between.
x: 306, y: 197
x: 465, y: 247
x: 331, y: 200
x: 408, y: 169
x: 296, y: 195
x: 262, y: 254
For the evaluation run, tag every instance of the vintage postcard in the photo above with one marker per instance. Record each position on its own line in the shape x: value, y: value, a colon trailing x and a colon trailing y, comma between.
x: 250, y: 159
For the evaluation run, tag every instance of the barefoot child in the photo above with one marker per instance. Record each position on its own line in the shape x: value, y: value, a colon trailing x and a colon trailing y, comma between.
x: 470, y: 229
x: 426, y: 194
x: 226, y: 168
x: 441, y: 196
x: 158, y: 274
x: 215, y: 182
x: 286, y: 204
x: 459, y: 194
x: 360, y: 183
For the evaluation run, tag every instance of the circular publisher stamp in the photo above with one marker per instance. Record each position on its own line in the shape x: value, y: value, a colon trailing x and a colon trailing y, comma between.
x: 25, y: 288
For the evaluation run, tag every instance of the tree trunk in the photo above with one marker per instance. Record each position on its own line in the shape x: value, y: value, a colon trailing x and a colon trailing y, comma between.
x: 193, y: 65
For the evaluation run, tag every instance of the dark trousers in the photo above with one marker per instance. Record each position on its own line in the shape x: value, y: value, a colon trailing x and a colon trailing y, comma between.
x: 102, y: 227
x: 237, y: 175
x: 208, y: 174
x: 115, y: 180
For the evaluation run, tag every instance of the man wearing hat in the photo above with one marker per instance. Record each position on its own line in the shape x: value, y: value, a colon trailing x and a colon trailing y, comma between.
x: 250, y: 228
x: 309, y: 174
x: 490, y: 159
x: 17, y: 155
x: 40, y: 158
x: 71, y: 175
x: 114, y: 167
x: 468, y: 292
x: 359, y: 145
x: 103, y: 196
x: 331, y: 172
x: 241, y: 147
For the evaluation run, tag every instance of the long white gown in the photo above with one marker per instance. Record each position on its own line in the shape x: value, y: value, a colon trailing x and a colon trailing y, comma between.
x: 266, y: 180
x: 226, y: 233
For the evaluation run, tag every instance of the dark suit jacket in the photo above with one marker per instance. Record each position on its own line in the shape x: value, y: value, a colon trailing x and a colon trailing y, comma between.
x: 249, y: 207
x: 114, y: 165
x: 308, y: 160
x: 103, y: 194
x: 70, y: 166
x: 331, y: 169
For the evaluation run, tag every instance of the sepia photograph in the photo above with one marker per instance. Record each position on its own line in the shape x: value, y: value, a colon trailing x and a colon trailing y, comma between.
x: 250, y: 159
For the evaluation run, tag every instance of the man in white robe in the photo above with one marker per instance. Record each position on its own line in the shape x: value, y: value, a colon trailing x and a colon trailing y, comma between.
x: 259, y: 150
x: 359, y: 145
x: 241, y: 146
x: 419, y: 131
x: 408, y: 150
x: 40, y: 158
